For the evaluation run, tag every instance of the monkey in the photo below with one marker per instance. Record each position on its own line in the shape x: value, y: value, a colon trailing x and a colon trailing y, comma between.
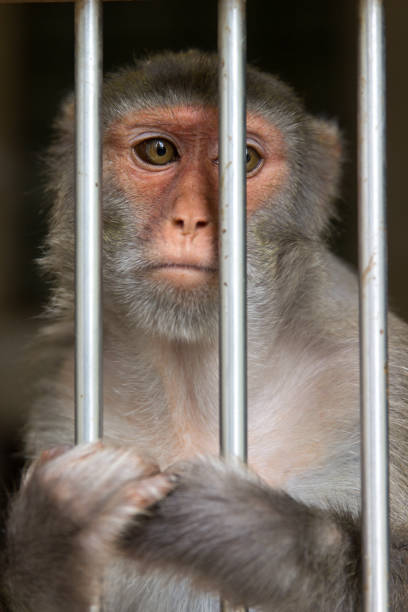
x: 152, y: 519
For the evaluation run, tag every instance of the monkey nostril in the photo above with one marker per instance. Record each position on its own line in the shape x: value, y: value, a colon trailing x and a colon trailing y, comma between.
x: 178, y: 223
x: 188, y: 224
x: 201, y: 224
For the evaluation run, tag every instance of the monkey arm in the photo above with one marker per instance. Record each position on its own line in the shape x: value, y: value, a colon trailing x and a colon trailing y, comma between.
x: 256, y: 546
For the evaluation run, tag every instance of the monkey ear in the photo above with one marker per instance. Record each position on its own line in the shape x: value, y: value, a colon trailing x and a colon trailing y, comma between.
x: 68, y: 108
x: 329, y: 153
x: 65, y: 120
x: 328, y: 136
x: 322, y: 172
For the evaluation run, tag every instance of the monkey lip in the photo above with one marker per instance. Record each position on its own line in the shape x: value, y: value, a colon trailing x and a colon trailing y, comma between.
x: 183, y: 273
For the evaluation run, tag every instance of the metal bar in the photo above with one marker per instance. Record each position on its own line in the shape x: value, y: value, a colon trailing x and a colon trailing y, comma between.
x: 88, y: 313
x: 232, y: 139
x: 373, y: 307
x: 88, y: 293
x: 232, y: 232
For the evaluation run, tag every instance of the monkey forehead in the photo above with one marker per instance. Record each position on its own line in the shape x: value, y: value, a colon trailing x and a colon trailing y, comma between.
x: 193, y: 122
x: 183, y: 120
x: 191, y: 78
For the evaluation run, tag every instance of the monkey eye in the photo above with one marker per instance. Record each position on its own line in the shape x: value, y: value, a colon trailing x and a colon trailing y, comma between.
x: 253, y: 159
x: 156, y: 151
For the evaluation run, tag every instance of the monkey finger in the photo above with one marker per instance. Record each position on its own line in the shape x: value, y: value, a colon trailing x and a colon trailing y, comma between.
x: 53, y: 453
x: 141, y: 494
x: 122, y: 509
x: 45, y: 456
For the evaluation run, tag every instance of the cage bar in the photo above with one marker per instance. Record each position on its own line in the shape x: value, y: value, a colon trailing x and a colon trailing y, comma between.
x: 232, y: 180
x: 88, y: 309
x: 232, y: 232
x: 373, y: 308
x: 88, y: 188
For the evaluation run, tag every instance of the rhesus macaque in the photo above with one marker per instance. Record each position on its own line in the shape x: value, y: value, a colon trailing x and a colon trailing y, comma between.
x: 152, y: 519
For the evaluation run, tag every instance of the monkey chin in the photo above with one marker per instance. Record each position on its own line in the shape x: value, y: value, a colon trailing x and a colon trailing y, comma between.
x: 179, y: 312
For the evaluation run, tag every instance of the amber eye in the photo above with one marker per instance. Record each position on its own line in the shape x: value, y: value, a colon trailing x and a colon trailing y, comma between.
x: 157, y: 151
x: 253, y: 159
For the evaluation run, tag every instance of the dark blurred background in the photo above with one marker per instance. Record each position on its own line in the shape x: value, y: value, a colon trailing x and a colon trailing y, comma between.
x: 312, y: 45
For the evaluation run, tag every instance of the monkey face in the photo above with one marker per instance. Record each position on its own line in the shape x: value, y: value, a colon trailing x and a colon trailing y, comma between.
x: 165, y: 164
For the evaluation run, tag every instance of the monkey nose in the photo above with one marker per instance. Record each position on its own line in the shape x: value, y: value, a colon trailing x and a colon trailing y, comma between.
x: 189, y: 225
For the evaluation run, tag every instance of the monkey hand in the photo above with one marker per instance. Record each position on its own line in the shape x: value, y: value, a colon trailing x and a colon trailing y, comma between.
x: 256, y: 546
x: 66, y: 520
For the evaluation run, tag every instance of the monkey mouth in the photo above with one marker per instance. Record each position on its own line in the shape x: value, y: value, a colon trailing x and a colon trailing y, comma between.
x: 183, y: 274
x: 184, y: 266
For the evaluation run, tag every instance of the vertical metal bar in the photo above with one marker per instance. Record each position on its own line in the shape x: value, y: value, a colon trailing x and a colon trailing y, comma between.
x: 232, y: 143
x: 88, y: 317
x: 88, y: 176
x: 232, y: 236
x: 373, y: 307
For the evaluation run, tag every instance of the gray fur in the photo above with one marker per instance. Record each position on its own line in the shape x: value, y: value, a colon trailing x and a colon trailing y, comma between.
x: 291, y: 544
